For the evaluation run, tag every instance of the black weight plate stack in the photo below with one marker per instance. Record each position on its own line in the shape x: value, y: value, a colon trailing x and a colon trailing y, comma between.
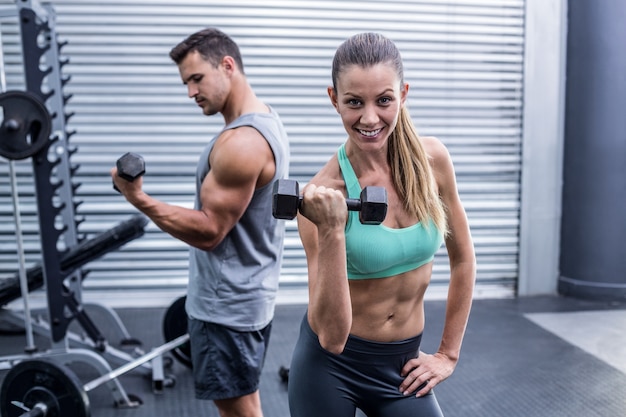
x: 42, y: 381
x: 175, y: 325
x: 25, y: 126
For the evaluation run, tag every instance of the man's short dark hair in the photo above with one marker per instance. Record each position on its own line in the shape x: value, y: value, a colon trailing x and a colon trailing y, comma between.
x: 212, y: 44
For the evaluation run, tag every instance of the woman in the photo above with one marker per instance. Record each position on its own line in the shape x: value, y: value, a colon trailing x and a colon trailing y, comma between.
x: 359, y: 341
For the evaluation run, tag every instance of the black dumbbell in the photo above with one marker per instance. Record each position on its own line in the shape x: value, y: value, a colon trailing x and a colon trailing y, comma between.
x: 130, y: 166
x: 372, y: 206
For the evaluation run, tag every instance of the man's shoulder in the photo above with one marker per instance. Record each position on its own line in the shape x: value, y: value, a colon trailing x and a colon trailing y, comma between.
x: 256, y: 126
x: 240, y: 140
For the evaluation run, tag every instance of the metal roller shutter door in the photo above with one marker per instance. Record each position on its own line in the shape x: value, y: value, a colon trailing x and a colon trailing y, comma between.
x: 463, y: 60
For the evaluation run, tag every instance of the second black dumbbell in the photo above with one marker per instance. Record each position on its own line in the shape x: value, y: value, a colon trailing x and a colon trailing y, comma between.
x: 372, y: 206
x: 130, y: 166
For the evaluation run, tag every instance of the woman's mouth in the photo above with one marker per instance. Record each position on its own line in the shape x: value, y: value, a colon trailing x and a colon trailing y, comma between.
x: 369, y: 133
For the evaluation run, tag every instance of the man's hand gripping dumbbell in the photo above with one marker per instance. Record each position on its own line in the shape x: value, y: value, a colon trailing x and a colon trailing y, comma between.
x: 372, y: 206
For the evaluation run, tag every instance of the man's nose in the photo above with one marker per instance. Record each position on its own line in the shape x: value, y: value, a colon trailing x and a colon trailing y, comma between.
x: 192, y: 90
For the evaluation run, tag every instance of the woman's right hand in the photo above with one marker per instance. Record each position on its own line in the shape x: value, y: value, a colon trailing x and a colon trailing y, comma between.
x: 325, y: 207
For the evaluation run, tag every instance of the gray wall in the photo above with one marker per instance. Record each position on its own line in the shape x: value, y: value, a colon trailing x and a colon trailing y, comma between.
x: 464, y: 60
x: 593, y: 250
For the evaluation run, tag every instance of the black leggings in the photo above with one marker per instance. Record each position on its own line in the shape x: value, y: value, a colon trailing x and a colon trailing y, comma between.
x: 366, y: 375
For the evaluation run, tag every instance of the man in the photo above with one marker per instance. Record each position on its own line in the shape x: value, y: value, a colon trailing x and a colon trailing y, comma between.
x: 235, y: 242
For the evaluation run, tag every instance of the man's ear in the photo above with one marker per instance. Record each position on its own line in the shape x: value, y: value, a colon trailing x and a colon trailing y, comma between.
x: 333, y: 97
x: 228, y: 63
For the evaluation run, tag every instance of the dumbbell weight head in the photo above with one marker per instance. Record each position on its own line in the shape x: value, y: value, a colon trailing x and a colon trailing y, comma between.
x: 286, y: 199
x: 373, y: 205
x: 130, y: 166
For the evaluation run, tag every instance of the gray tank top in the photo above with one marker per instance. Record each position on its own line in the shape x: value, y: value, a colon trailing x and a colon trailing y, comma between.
x: 235, y: 284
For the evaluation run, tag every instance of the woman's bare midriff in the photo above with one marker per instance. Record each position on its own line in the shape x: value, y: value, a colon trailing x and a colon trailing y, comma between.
x: 390, y: 309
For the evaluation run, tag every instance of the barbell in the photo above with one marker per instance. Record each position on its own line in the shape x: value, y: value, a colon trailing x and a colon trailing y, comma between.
x: 42, y: 387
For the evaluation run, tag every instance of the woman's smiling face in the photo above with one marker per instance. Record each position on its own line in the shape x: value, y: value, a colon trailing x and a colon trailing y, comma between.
x: 369, y: 101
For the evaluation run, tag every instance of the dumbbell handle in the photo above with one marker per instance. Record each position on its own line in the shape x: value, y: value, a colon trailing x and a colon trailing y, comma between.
x: 354, y: 204
x: 372, y: 205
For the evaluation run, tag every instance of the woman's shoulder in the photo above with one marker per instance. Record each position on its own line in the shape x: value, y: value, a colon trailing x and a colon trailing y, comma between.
x: 329, y: 175
x: 435, y: 148
x: 432, y: 144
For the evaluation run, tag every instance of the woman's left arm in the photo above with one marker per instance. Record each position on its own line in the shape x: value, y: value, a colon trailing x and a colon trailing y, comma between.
x: 437, y: 367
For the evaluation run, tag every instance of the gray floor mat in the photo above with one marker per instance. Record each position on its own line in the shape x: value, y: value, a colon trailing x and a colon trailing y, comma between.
x: 509, y: 366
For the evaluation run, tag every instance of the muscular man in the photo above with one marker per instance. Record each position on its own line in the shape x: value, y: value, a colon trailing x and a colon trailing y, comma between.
x: 235, y: 243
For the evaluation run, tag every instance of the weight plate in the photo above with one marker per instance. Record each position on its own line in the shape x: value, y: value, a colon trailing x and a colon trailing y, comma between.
x: 175, y: 325
x: 43, y: 381
x: 25, y: 125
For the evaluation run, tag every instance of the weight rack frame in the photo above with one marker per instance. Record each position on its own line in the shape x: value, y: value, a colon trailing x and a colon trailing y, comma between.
x: 56, y: 200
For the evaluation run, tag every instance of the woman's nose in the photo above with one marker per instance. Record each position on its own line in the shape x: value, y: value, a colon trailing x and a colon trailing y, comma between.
x: 369, y: 115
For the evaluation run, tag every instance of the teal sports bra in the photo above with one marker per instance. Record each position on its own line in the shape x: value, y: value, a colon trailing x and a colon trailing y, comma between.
x: 378, y: 251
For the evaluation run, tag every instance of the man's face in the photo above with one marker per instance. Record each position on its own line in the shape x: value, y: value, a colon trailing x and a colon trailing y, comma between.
x: 206, y: 84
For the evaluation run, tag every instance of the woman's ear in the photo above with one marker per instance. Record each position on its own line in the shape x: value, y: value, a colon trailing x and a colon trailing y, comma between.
x: 333, y: 97
x: 404, y: 93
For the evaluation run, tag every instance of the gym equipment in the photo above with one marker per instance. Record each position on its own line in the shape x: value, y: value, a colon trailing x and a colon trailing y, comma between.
x: 25, y: 128
x: 175, y: 325
x: 52, y: 172
x: 43, y: 387
x: 78, y: 256
x: 130, y: 166
x: 63, y: 249
x: 372, y: 205
x: 283, y: 373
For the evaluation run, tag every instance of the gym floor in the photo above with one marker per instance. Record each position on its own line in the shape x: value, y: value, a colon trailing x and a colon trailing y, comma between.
x: 538, y: 356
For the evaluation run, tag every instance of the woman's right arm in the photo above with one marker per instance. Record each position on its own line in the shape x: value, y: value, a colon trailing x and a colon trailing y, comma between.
x: 321, y: 224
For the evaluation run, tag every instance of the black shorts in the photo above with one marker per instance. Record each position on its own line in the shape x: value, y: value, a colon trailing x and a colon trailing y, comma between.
x: 366, y: 375
x: 226, y: 363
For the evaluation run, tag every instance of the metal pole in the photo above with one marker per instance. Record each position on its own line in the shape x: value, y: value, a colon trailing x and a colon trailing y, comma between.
x: 30, y: 343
